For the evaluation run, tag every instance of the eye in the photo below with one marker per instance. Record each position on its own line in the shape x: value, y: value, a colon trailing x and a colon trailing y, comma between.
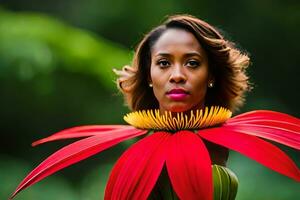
x: 163, y: 63
x: 193, y: 63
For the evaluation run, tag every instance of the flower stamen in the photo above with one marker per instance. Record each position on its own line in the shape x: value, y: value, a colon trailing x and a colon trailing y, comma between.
x: 153, y: 119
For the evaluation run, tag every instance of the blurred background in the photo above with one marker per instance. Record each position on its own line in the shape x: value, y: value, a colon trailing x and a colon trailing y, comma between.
x: 55, y: 72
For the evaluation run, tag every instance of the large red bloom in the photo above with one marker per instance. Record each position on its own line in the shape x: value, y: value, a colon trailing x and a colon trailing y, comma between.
x: 182, y: 152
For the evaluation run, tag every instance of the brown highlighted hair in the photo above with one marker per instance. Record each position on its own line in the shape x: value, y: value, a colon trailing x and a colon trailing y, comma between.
x: 227, y: 65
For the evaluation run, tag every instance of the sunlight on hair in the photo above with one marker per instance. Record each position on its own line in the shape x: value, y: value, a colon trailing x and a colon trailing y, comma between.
x: 153, y: 119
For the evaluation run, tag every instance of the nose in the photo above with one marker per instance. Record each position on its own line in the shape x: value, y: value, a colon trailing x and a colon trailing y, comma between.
x: 177, y: 75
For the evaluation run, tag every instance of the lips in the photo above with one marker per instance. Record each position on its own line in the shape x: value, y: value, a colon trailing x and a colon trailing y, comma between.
x: 177, y: 94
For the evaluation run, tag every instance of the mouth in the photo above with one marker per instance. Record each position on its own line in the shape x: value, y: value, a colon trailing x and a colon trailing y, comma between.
x: 177, y: 94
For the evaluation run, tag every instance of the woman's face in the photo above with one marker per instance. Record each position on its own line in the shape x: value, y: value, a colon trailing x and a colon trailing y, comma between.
x: 179, y: 71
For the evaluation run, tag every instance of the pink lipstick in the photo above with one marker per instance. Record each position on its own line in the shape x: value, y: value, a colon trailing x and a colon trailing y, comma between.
x: 177, y: 94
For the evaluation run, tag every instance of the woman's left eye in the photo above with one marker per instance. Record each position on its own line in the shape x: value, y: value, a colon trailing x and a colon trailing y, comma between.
x: 193, y: 63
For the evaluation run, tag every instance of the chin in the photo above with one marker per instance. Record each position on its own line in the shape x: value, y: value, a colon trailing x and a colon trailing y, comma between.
x: 179, y: 108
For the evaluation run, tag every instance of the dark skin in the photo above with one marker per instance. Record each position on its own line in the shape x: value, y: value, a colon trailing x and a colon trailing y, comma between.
x: 179, y: 62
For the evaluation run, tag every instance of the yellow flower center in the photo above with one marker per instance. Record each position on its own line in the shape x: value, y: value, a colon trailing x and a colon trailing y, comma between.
x: 153, y: 119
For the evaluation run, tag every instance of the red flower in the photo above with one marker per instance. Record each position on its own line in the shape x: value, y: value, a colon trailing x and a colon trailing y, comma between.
x: 183, y: 152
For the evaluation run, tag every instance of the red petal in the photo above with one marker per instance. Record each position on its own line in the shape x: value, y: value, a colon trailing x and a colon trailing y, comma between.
x: 257, y: 149
x: 81, y: 131
x: 265, y: 115
x: 137, y: 170
x: 274, y: 133
x: 189, y: 167
x: 275, y: 126
x: 75, y: 152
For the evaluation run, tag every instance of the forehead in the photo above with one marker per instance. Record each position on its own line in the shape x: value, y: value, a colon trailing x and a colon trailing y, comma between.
x: 176, y: 40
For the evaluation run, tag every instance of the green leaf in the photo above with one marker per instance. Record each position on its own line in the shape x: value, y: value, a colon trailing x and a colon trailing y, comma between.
x: 225, y: 183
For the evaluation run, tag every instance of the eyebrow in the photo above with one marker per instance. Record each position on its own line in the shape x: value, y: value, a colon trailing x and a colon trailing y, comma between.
x: 194, y: 53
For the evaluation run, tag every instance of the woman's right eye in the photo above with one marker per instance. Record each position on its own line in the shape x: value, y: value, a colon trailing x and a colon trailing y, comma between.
x: 163, y: 63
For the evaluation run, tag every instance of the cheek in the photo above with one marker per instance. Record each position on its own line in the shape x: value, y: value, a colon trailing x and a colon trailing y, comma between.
x: 157, y: 82
x: 199, y: 84
x: 200, y: 93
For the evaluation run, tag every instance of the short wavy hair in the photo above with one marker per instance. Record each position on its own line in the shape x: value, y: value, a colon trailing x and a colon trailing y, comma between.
x: 226, y: 62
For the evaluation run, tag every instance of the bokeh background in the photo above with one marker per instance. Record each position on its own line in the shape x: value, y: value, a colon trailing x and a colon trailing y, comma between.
x: 55, y: 72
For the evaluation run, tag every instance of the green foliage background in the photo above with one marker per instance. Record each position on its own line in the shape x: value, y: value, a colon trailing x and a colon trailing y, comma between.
x: 55, y: 72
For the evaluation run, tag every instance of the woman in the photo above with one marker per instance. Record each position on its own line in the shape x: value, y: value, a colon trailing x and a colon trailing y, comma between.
x: 188, y: 57
x: 180, y: 71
